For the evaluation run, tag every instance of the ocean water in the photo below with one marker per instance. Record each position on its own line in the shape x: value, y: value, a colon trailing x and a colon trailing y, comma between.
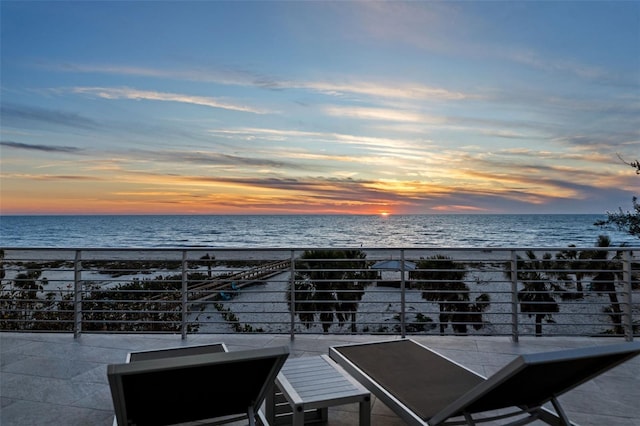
x: 302, y: 231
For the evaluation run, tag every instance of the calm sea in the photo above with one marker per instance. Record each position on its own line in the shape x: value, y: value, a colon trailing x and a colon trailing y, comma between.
x: 306, y: 231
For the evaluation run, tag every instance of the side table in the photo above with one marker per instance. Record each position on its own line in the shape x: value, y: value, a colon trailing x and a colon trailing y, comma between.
x: 307, y: 386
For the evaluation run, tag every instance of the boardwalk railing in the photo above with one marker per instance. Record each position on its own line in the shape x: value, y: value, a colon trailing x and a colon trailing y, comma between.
x: 490, y: 291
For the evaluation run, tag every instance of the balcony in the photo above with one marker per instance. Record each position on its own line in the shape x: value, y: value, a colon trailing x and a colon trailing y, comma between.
x: 55, y: 379
x: 67, y: 313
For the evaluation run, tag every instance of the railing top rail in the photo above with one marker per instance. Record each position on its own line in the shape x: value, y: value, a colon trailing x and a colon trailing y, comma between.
x: 242, y: 249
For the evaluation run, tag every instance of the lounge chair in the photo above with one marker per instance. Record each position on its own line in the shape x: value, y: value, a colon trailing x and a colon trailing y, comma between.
x: 425, y: 388
x: 178, y: 387
x: 173, y: 352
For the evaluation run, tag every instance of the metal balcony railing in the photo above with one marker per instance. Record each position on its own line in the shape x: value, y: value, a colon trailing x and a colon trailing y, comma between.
x: 488, y: 291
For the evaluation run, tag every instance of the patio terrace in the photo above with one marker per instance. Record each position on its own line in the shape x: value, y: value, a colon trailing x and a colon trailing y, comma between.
x: 56, y: 379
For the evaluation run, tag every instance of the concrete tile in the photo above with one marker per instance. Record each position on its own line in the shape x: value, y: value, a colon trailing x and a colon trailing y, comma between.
x: 24, y: 413
x: 60, y: 368
x: 9, y: 357
x: 9, y: 342
x: 43, y: 389
x: 5, y: 402
x: 98, y: 400
x: 591, y: 419
x: 97, y: 375
x: 66, y: 350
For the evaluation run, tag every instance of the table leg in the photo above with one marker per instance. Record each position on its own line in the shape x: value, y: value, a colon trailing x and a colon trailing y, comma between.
x: 323, y: 414
x: 365, y: 411
x: 298, y: 415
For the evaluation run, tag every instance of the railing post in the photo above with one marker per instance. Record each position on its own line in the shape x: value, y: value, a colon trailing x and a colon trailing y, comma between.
x: 292, y: 289
x: 627, y: 277
x: 185, y: 299
x: 514, y: 296
x: 77, y: 294
x: 403, y: 328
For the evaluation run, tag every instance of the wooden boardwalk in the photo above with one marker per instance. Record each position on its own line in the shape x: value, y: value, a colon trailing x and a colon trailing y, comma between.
x: 231, y: 283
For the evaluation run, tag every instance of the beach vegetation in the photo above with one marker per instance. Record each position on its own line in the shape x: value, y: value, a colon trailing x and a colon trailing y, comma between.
x: 537, y: 298
x: 142, y: 305
x: 442, y: 281
x: 545, y: 278
x: 119, y: 268
x: 570, y: 268
x: 146, y: 305
x: 19, y: 298
x: 603, y: 268
x: 421, y: 324
x: 329, y: 285
x: 604, y: 280
x: 234, y: 321
x: 626, y: 221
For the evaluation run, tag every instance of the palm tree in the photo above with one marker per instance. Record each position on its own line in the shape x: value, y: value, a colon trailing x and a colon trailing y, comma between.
x: 330, y: 284
x: 536, y: 298
x: 442, y: 280
x: 596, y: 264
x: 604, y: 280
x: 572, y: 262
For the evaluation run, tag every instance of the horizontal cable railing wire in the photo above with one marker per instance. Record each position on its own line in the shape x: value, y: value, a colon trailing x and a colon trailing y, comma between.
x: 491, y: 291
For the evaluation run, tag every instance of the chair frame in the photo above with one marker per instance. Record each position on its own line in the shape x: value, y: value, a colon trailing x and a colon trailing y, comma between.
x: 589, y: 362
x: 274, y: 357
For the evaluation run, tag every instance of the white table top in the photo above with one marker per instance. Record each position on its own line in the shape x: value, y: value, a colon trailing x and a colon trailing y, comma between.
x: 318, y: 379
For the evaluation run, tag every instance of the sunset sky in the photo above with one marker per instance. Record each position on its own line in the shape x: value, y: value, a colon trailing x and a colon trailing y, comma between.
x: 294, y: 107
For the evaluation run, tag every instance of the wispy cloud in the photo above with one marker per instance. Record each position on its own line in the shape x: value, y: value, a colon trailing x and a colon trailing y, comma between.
x: 43, y: 148
x: 365, y: 113
x: 13, y: 114
x: 251, y: 133
x: 347, y: 85
x: 398, y: 90
x: 51, y: 177
x: 534, y: 59
x: 219, y: 75
x: 458, y: 208
x: 602, y: 141
x: 135, y: 94
x: 567, y: 66
x: 342, y: 155
x: 216, y: 159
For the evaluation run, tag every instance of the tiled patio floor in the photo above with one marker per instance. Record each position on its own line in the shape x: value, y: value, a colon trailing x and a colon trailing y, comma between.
x: 54, y: 379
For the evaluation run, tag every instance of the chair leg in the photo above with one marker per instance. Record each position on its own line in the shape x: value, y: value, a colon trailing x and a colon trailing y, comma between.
x: 252, y: 416
x: 560, y: 411
x: 469, y: 419
x: 557, y: 418
x: 262, y: 419
x: 270, y: 406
